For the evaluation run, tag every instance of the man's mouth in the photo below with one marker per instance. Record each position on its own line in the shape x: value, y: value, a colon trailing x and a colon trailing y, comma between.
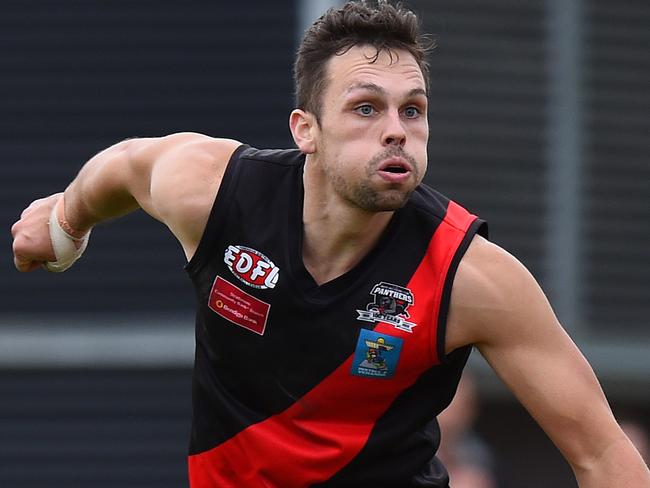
x: 395, y: 168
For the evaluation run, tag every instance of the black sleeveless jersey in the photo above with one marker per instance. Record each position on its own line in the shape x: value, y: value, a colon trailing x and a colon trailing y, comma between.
x: 336, y: 385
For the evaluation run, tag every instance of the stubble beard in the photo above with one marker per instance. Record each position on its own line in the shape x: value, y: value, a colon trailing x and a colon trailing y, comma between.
x: 370, y: 199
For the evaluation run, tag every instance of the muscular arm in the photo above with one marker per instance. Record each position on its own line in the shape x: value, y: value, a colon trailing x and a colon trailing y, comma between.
x: 174, y: 179
x: 497, y: 305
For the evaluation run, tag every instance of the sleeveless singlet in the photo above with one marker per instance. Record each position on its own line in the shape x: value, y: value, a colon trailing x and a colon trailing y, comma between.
x: 336, y: 385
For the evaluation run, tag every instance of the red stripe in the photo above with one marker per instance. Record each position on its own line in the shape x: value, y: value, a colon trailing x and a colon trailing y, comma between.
x: 443, y: 246
x: 323, y: 431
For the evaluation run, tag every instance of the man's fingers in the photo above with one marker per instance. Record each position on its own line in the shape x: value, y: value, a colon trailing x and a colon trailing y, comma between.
x: 24, y: 258
x: 32, y: 246
x: 35, y: 265
x: 25, y: 212
x: 25, y: 265
x: 14, y: 229
x: 29, y: 208
x: 21, y: 263
x: 35, y: 203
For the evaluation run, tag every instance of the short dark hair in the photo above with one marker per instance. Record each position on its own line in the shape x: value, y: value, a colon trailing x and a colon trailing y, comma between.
x: 380, y: 25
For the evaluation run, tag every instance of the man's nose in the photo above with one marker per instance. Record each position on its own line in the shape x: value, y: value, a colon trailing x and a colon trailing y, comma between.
x: 394, y: 133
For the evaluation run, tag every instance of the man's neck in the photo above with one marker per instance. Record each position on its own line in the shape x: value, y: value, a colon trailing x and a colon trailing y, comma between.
x: 337, y: 235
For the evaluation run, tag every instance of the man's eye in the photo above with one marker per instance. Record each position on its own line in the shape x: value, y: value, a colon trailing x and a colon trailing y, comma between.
x: 411, y: 112
x: 365, y: 110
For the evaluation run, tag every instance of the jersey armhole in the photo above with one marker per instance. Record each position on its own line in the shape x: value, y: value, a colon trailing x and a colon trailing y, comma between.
x: 479, y: 227
x: 217, y: 213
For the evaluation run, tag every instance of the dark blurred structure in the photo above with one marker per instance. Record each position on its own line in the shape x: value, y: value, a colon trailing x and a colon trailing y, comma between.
x: 538, y: 123
x: 467, y: 456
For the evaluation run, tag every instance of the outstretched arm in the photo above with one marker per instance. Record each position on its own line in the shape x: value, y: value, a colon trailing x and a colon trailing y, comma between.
x: 497, y: 305
x: 173, y: 178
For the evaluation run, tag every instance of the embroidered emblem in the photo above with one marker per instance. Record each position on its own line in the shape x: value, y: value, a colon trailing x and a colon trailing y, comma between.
x: 390, y: 305
x: 251, y: 267
x: 376, y: 355
x: 238, y: 307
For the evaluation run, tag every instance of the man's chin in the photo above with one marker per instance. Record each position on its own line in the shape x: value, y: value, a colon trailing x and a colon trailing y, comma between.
x: 385, y: 202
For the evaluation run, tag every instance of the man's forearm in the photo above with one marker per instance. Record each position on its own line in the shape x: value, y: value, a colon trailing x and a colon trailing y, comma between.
x: 103, y: 188
x: 620, y: 466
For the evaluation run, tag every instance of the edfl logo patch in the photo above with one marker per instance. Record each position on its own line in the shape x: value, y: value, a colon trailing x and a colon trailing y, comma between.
x: 251, y: 267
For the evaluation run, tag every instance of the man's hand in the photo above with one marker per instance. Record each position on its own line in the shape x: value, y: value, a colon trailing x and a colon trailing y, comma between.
x: 32, y: 245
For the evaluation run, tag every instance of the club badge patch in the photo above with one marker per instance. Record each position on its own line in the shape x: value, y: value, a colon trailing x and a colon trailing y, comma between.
x: 390, y: 305
x: 376, y: 355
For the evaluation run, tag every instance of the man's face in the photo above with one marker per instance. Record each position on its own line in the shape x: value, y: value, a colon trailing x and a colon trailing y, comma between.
x: 372, y: 139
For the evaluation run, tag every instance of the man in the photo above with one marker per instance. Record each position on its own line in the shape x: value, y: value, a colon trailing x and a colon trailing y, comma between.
x: 308, y: 262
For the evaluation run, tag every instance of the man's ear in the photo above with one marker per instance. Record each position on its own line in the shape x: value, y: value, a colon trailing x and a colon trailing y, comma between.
x: 303, y: 127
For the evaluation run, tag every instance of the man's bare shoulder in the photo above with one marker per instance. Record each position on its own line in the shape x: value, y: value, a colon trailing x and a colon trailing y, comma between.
x: 185, y: 178
x: 491, y: 290
x: 188, y: 145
